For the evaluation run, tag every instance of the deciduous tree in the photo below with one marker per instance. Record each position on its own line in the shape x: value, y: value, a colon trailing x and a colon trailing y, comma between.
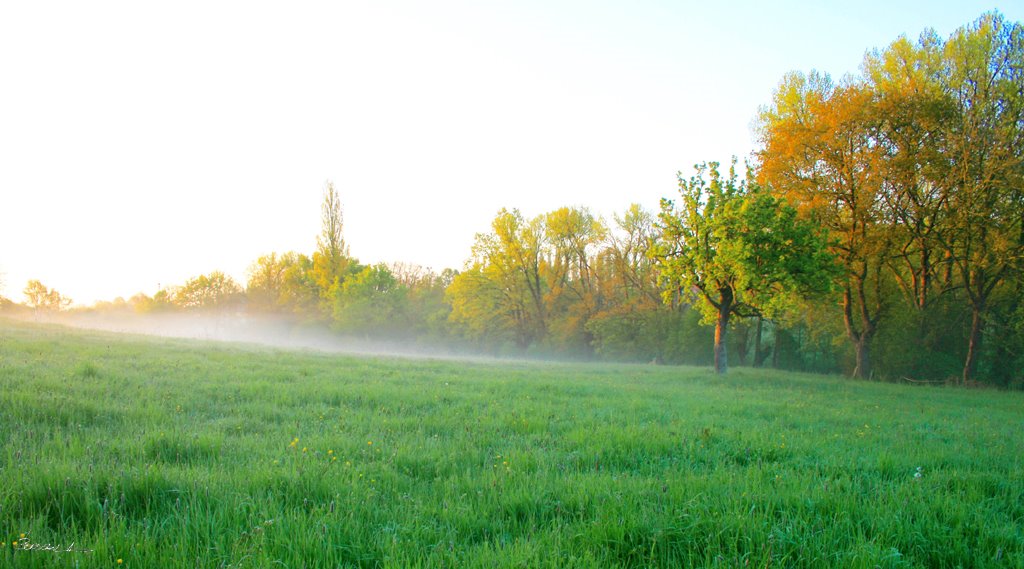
x: 733, y: 248
x: 503, y: 289
x: 371, y: 302
x: 38, y: 297
x: 820, y: 151
x: 573, y: 238
x: 206, y: 292
x: 984, y: 159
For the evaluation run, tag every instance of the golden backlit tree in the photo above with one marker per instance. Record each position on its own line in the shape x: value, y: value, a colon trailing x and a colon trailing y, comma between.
x: 820, y: 153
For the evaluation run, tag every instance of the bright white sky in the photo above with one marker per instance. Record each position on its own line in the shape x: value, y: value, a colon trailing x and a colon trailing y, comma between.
x: 145, y: 143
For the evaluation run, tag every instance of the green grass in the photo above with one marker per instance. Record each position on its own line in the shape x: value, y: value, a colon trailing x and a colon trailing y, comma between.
x: 172, y: 453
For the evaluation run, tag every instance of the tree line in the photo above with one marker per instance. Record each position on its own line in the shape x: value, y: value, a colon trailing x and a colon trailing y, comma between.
x: 915, y: 168
x: 878, y: 231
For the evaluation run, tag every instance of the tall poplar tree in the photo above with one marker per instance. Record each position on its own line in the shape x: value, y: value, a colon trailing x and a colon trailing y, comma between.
x: 331, y: 257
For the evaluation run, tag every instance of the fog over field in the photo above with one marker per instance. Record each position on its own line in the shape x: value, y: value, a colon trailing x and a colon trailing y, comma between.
x: 874, y: 228
x: 265, y: 330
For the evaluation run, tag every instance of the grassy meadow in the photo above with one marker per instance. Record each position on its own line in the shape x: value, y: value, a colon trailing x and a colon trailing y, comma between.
x: 125, y: 451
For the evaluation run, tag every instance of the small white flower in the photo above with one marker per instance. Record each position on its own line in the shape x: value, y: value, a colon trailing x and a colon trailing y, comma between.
x: 919, y: 472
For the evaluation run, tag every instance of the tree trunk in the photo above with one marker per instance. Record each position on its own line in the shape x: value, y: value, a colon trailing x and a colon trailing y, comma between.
x: 742, y: 346
x: 757, y: 342
x: 760, y: 354
x: 863, y: 365
x: 861, y: 338
x: 973, y: 344
x: 721, y: 353
x: 775, y: 349
x: 721, y: 327
x: 924, y: 281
